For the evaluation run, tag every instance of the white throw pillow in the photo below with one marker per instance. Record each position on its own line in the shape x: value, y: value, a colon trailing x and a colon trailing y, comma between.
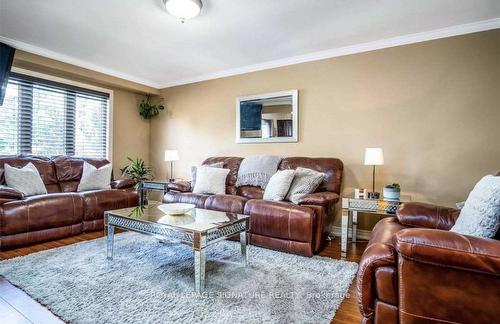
x: 194, y: 168
x: 95, y: 179
x: 306, y: 181
x: 480, y: 215
x: 211, y: 181
x: 26, y: 180
x: 278, y: 185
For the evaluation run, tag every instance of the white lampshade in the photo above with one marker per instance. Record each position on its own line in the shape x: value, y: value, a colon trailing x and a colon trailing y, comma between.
x: 171, y: 155
x: 374, y: 156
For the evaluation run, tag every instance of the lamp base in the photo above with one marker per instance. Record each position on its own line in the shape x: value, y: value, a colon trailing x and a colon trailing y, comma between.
x: 171, y: 180
x: 373, y: 195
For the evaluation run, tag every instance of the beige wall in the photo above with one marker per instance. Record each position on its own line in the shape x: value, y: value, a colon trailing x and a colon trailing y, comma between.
x: 433, y: 107
x: 130, y: 131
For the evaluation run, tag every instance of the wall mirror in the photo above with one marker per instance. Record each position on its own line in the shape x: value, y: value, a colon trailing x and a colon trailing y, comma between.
x: 267, y: 118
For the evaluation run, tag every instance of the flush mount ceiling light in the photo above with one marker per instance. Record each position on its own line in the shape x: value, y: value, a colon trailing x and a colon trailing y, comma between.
x: 183, y: 9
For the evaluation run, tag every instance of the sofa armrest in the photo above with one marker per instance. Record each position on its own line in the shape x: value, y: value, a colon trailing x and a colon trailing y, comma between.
x: 123, y: 184
x: 449, y: 249
x: 180, y: 186
x: 320, y: 199
x: 9, y: 193
x: 426, y: 215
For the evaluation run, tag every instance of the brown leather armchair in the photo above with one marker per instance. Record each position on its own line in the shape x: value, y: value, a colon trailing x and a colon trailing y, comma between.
x: 278, y: 225
x: 63, y: 211
x: 414, y: 270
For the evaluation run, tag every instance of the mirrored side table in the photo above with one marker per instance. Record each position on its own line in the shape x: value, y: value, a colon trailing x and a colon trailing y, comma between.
x: 350, y: 209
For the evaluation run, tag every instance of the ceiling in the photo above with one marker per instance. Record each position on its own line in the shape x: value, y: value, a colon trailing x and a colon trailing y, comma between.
x: 137, y: 40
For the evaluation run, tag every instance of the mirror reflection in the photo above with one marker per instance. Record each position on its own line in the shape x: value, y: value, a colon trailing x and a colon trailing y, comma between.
x: 267, y: 118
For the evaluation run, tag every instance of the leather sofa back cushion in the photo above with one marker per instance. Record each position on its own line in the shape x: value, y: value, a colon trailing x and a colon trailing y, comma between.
x: 233, y: 164
x: 70, y: 168
x: 43, y: 164
x: 331, y: 167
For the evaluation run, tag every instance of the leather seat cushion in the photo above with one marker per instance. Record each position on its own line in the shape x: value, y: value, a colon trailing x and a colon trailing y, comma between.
x: 250, y: 192
x: 96, y: 202
x: 189, y: 198
x: 226, y: 203
x: 281, y: 220
x: 41, y: 212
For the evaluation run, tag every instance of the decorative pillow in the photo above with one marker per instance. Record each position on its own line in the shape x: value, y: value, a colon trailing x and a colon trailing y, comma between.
x: 480, y: 215
x: 211, y: 181
x: 306, y: 181
x: 26, y: 180
x: 278, y: 186
x: 257, y: 170
x: 194, y: 168
x: 95, y: 179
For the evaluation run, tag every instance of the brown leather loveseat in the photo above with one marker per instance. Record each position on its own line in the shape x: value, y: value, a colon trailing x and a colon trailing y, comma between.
x: 63, y: 211
x: 277, y: 225
x: 414, y: 270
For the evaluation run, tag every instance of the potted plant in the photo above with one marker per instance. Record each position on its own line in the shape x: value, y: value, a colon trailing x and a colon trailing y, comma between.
x: 392, y: 192
x: 148, y: 110
x: 137, y: 170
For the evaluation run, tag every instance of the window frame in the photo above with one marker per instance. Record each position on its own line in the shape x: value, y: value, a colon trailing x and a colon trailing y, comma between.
x: 109, y: 117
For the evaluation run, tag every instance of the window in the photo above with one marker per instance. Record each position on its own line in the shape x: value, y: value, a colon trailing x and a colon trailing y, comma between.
x: 48, y: 118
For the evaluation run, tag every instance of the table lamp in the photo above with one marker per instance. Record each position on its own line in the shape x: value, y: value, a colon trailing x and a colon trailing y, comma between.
x: 171, y: 156
x: 374, y: 156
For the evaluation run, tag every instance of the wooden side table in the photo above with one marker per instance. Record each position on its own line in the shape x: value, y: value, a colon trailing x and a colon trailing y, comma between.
x: 350, y: 209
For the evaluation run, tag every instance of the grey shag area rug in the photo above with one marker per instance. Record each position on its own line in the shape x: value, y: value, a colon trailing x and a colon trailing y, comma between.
x: 152, y: 282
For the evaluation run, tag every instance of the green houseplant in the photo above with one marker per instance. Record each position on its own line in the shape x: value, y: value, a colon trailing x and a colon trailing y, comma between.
x: 392, y: 192
x: 148, y: 110
x: 137, y: 170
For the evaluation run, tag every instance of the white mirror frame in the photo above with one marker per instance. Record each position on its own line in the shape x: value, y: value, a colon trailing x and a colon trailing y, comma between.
x: 295, y: 117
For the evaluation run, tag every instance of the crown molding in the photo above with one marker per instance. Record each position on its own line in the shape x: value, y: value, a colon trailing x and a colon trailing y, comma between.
x: 75, y: 61
x: 347, y: 50
x: 333, y: 52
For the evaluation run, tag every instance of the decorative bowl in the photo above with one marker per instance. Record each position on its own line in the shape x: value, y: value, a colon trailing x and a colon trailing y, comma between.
x: 176, y: 209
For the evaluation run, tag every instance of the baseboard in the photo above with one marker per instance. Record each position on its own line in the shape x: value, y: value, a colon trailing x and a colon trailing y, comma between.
x: 361, y: 234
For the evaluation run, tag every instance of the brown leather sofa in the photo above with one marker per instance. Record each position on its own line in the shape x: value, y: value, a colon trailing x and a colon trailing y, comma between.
x: 63, y: 211
x: 414, y: 270
x: 282, y: 225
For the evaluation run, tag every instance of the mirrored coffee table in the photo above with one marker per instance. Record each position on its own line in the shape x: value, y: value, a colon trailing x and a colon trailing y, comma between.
x: 198, y: 229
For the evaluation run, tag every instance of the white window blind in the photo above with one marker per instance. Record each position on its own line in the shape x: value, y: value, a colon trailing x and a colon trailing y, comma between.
x: 48, y: 118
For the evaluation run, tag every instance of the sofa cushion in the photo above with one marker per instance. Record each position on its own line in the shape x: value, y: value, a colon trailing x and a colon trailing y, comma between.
x: 281, y: 220
x: 210, y: 180
x: 43, y: 164
x: 226, y: 203
x: 41, y: 212
x: 278, y: 186
x: 95, y: 178
x: 305, y: 181
x: 331, y: 167
x: 96, y: 202
x: 186, y: 197
x: 250, y: 192
x: 69, y: 170
x: 26, y: 179
x: 194, y: 171
x: 233, y: 164
x: 481, y: 213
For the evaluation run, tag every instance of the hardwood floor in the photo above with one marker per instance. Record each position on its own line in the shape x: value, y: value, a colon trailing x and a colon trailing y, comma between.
x: 16, y: 307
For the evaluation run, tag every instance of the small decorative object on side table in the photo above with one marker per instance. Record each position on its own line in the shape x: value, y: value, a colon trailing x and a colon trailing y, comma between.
x: 350, y: 209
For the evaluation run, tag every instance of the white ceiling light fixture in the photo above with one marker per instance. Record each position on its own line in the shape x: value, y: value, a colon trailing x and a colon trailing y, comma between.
x: 183, y: 9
